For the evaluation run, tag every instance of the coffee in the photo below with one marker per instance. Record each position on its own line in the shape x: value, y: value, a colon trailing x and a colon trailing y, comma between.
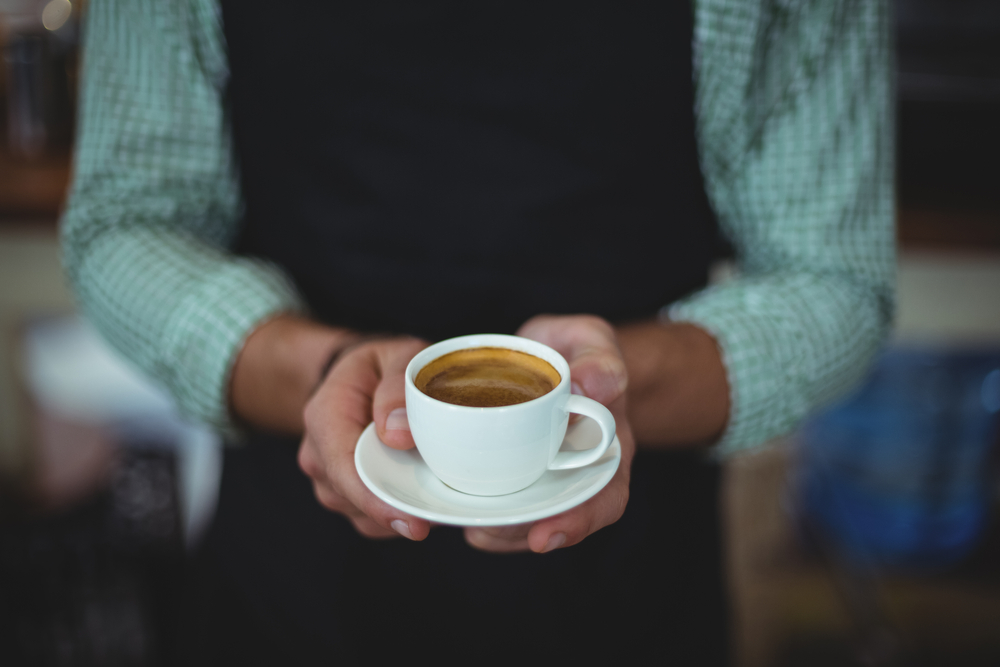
x: 487, y: 377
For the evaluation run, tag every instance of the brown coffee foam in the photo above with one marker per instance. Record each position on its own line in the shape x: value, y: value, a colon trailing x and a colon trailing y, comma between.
x: 487, y: 377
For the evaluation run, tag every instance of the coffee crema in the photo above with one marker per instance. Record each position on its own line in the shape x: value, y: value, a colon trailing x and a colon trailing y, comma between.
x: 487, y: 377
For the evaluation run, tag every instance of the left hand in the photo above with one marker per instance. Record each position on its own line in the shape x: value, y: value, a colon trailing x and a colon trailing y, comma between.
x: 598, y: 372
x: 365, y: 385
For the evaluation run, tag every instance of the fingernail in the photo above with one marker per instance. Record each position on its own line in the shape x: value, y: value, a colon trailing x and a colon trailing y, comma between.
x: 575, y: 388
x: 556, y: 540
x: 397, y: 421
x: 402, y: 528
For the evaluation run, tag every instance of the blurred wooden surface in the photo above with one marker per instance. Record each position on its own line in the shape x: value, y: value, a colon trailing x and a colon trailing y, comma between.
x: 33, y: 191
x: 793, y: 609
x: 31, y: 285
x: 935, y: 228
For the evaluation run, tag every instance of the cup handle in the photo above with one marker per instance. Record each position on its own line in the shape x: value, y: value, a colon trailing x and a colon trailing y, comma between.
x: 587, y: 407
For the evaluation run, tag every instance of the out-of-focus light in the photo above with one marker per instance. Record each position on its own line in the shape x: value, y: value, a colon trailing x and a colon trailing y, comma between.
x: 56, y: 14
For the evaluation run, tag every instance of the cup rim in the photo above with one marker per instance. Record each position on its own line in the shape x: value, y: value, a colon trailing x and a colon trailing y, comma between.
x: 457, y: 343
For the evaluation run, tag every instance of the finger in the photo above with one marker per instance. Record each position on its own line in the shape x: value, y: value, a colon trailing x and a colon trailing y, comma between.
x: 572, y: 527
x: 374, y: 510
x: 335, y: 418
x: 308, y: 461
x: 389, y: 405
x: 605, y: 508
x: 510, y: 533
x: 341, y: 409
x: 600, y: 373
x: 324, y: 492
x: 590, y: 347
x: 335, y: 502
x: 498, y: 542
x: 372, y: 530
x: 569, y: 333
x: 513, y: 533
x: 371, y: 516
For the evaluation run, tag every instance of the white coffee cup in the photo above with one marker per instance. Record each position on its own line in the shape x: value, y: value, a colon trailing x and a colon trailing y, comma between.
x: 498, y: 450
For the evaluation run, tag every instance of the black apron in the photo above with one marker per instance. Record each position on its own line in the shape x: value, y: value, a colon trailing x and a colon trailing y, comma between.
x: 443, y: 168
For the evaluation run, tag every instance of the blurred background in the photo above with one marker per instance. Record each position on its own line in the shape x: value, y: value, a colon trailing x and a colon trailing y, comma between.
x: 870, y: 537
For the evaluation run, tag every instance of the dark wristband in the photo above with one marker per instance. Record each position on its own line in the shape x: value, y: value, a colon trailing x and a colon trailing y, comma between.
x: 341, y: 352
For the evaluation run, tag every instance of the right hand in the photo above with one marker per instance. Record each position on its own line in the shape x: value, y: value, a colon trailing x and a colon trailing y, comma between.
x: 365, y: 384
x: 597, y: 370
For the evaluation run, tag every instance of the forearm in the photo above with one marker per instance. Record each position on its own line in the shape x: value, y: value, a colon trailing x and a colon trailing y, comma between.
x: 678, y: 394
x: 278, y: 369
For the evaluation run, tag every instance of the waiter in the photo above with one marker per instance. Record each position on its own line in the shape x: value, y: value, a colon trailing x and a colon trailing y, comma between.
x: 275, y: 209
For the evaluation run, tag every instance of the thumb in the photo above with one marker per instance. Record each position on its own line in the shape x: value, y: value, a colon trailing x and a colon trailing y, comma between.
x: 591, y: 348
x: 599, y: 373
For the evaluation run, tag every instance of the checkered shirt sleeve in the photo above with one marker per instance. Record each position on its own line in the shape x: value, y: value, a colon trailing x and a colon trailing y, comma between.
x: 794, y: 104
x: 155, y: 202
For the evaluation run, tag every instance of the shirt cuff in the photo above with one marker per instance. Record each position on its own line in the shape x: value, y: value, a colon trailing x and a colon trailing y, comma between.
x: 754, y: 415
x: 789, y: 344
x: 210, y: 329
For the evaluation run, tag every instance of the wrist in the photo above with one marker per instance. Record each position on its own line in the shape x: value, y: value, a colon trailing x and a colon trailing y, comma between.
x: 278, y: 369
x: 678, y: 387
x: 346, y: 344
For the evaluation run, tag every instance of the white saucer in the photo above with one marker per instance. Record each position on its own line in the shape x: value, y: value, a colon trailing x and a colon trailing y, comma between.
x: 403, y: 480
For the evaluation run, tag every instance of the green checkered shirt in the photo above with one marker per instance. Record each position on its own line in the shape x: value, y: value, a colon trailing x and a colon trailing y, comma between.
x: 794, y: 110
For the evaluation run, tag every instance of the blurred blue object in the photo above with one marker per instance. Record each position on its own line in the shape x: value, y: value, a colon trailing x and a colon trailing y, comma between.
x: 902, y: 474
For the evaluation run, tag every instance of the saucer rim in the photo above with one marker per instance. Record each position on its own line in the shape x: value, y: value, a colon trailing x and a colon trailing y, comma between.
x: 468, y: 521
